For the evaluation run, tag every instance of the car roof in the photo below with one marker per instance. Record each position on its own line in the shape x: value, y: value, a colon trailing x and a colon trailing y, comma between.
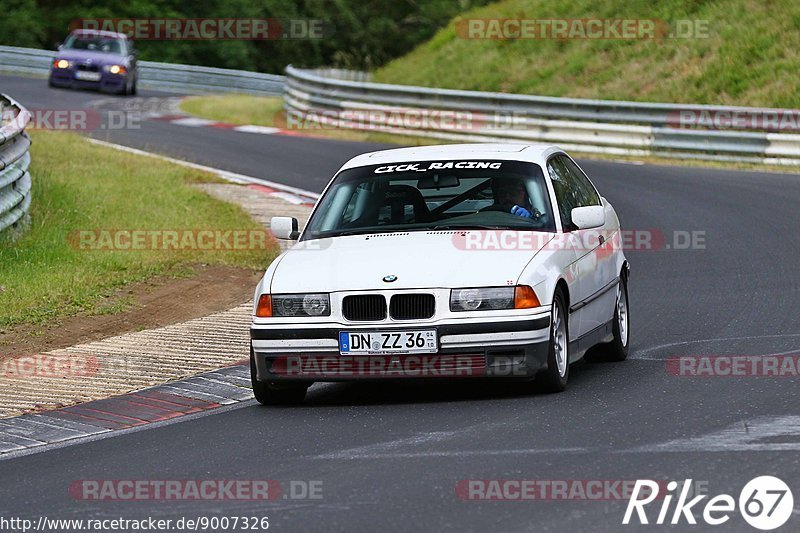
x: 511, y: 151
x: 99, y: 33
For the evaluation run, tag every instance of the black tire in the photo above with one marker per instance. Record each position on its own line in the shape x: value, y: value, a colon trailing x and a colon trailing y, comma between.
x: 552, y: 379
x: 617, y: 349
x: 133, y: 86
x: 270, y: 393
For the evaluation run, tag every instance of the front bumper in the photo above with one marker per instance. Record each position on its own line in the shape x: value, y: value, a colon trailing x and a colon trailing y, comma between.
x: 107, y: 82
x: 511, y: 347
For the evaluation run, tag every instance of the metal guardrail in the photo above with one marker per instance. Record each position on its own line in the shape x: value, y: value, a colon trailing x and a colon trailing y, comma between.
x: 594, y: 126
x: 15, y: 181
x: 163, y: 76
x: 598, y: 126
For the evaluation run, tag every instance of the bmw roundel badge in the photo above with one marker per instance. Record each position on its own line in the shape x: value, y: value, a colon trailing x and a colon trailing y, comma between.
x: 390, y: 278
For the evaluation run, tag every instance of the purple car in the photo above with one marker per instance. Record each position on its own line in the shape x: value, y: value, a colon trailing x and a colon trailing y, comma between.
x: 95, y: 59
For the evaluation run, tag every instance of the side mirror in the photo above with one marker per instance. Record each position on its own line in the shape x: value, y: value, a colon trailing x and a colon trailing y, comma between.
x: 590, y: 216
x: 284, y: 228
x: 58, y: 46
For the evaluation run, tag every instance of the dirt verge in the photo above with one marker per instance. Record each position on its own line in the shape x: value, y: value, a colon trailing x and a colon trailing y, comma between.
x: 158, y: 302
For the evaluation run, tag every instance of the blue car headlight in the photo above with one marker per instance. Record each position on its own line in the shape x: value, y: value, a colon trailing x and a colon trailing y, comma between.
x: 115, y: 69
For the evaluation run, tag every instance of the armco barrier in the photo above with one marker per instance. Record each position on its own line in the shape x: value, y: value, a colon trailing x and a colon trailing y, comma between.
x: 598, y: 126
x: 594, y: 126
x: 163, y: 76
x: 15, y: 182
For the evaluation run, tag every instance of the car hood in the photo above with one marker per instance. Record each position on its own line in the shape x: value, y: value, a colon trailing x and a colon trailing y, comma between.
x: 99, y: 58
x: 417, y: 259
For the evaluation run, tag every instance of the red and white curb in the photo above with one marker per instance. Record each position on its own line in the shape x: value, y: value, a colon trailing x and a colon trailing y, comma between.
x: 294, y: 195
x: 197, y: 122
x: 203, y: 392
x: 154, y: 402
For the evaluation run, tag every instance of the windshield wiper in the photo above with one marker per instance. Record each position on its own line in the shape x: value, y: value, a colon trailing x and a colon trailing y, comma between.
x: 362, y: 231
x: 466, y: 227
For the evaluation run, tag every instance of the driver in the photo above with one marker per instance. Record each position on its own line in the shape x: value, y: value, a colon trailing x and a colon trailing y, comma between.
x: 511, y: 196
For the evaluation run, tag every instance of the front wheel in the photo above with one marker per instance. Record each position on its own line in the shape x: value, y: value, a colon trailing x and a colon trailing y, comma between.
x: 617, y: 349
x: 555, y: 378
x: 270, y: 393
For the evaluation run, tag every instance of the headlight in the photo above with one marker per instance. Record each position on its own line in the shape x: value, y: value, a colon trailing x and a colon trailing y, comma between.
x: 493, y: 298
x: 115, y: 69
x: 61, y: 63
x: 301, y: 305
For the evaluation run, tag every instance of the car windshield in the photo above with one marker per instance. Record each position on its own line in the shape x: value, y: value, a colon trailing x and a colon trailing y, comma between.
x: 94, y: 43
x: 432, y: 195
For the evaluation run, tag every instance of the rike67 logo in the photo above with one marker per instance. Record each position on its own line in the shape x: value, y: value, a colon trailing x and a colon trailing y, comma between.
x: 765, y: 502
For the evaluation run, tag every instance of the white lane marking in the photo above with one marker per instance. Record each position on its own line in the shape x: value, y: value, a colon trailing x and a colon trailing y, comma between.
x: 451, y: 453
x: 639, y: 354
x: 224, y: 174
x: 762, y: 434
x: 404, y: 447
x: 383, y: 448
x: 256, y: 129
x: 626, y: 162
x: 193, y: 121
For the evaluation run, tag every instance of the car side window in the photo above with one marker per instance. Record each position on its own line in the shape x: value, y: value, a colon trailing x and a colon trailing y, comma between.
x: 588, y: 193
x: 572, y: 187
x: 565, y: 198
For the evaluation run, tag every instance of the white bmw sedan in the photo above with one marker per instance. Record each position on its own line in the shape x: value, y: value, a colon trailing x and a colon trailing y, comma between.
x: 456, y: 261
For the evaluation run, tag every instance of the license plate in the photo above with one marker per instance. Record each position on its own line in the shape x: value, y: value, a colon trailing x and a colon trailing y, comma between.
x: 87, y: 76
x: 387, y: 342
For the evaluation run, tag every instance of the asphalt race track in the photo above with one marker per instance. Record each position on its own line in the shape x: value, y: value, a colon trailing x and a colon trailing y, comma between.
x: 390, y: 456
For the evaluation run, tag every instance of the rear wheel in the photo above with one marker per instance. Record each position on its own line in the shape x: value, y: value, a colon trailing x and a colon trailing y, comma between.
x: 555, y: 378
x: 273, y: 393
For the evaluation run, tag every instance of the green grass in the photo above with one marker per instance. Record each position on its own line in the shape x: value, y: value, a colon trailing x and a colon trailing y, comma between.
x: 243, y: 110
x: 751, y: 56
x: 81, y: 186
x: 240, y: 109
